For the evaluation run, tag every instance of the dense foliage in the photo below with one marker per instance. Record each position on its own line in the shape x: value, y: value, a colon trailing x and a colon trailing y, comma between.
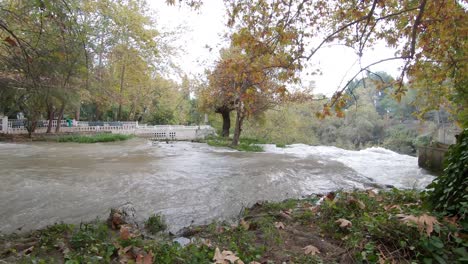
x: 449, y: 192
x: 89, y: 60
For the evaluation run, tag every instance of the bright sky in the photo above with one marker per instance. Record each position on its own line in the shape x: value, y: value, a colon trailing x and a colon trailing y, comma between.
x: 206, y: 27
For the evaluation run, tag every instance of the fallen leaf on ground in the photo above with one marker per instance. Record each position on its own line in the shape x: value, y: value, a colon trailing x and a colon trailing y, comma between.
x: 206, y: 242
x: 244, y: 224
x: 371, y: 193
x: 285, y: 215
x: 279, y: 225
x: 147, y: 259
x: 226, y: 257
x: 423, y: 221
x: 311, y: 250
x: 344, y: 223
x: 124, y: 233
x: 392, y: 206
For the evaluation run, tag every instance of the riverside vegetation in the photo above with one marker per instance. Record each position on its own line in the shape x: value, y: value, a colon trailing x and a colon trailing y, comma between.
x: 345, y: 227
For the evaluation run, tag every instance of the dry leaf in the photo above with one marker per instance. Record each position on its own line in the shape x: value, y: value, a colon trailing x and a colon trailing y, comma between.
x: 124, y: 233
x: 244, y: 224
x: 279, y: 225
x: 393, y: 206
x: 207, y: 242
x: 424, y: 221
x: 344, y: 223
x: 285, y: 215
x: 218, y: 257
x: 148, y: 259
x: 311, y: 250
x: 371, y: 193
x: 255, y: 262
x: 226, y: 257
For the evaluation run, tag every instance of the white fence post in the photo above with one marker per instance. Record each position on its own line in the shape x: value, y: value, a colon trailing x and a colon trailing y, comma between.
x: 5, y: 124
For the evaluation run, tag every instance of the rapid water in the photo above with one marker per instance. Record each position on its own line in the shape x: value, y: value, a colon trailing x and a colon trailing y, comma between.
x: 189, y: 183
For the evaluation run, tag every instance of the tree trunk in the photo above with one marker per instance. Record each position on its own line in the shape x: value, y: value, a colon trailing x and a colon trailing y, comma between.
x: 226, y: 123
x: 50, y: 115
x: 225, y: 113
x: 60, y: 117
x: 237, y: 128
x: 122, y: 75
x: 78, y: 113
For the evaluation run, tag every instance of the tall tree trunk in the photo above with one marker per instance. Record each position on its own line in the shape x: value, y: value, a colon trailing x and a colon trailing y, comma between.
x: 78, y: 113
x: 225, y: 113
x: 50, y: 115
x: 60, y: 117
x: 238, y: 127
x: 122, y: 75
x: 226, y: 123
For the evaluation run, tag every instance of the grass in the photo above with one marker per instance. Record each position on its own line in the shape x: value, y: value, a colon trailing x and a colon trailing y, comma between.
x: 94, y: 138
x: 245, y: 144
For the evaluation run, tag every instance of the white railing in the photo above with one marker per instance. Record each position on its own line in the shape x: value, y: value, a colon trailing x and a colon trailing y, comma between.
x: 163, y: 132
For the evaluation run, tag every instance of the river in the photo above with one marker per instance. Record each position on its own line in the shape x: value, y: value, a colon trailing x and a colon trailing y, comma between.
x: 189, y: 183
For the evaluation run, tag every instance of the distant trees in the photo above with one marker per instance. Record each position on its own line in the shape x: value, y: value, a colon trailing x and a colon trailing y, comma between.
x: 93, y: 59
x: 372, y: 118
x: 428, y: 36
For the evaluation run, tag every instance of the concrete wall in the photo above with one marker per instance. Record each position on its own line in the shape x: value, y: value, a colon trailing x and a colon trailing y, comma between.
x: 432, y: 157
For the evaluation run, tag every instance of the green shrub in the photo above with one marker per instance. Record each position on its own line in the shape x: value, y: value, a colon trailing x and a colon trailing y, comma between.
x: 448, y: 193
x: 155, y: 224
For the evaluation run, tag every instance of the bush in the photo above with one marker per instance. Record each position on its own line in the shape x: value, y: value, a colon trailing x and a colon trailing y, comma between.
x: 449, y: 192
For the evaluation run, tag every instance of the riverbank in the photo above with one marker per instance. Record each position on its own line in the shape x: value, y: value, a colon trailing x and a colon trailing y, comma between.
x: 66, y: 137
x: 343, y: 227
x: 245, y: 144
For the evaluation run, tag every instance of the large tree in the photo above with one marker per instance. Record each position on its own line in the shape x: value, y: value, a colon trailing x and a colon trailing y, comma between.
x: 429, y: 37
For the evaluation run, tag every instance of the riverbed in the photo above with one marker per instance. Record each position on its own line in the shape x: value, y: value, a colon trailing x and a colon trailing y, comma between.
x: 189, y: 183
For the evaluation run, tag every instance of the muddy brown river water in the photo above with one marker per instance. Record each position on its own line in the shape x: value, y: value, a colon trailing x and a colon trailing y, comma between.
x: 189, y: 183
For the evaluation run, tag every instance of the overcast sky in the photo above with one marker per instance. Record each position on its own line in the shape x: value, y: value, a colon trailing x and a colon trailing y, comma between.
x: 206, y: 27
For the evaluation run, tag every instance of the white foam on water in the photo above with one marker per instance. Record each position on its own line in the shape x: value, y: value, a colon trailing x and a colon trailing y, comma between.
x: 379, y: 164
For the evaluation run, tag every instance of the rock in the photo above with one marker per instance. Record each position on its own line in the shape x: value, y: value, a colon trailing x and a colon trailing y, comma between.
x: 183, y: 241
x: 123, y: 215
x: 116, y: 219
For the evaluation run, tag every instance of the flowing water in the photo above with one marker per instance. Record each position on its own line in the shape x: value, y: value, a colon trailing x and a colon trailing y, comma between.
x: 189, y: 183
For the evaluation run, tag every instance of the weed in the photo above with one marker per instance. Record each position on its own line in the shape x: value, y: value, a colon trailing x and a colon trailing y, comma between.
x: 49, y: 236
x: 155, y: 224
